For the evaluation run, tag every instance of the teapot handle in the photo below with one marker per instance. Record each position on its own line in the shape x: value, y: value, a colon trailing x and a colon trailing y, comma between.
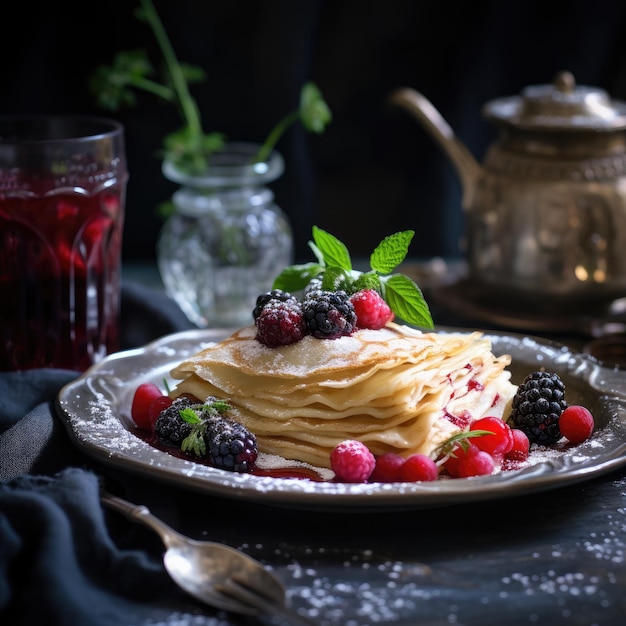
x: 466, y: 166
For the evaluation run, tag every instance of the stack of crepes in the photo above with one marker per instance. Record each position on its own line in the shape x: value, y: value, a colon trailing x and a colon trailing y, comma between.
x: 395, y: 389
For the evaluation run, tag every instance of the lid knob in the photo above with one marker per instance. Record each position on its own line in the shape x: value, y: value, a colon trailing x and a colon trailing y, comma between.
x: 565, y: 82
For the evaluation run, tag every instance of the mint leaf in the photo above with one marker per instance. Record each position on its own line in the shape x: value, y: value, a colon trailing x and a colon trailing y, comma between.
x: 406, y: 300
x: 190, y: 416
x: 318, y: 253
x: 391, y: 251
x: 296, y: 277
x: 334, y: 251
x: 194, y: 442
x: 216, y: 406
x: 336, y: 279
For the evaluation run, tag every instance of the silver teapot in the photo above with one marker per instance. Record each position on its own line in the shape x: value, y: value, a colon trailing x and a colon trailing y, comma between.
x: 546, y: 211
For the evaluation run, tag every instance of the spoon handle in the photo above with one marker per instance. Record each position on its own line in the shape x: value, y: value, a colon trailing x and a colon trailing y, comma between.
x: 140, y: 513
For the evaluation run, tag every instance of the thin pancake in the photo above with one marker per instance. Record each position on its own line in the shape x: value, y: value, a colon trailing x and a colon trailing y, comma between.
x: 395, y: 389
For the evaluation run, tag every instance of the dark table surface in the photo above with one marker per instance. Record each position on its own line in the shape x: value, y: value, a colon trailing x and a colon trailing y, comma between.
x: 551, y: 558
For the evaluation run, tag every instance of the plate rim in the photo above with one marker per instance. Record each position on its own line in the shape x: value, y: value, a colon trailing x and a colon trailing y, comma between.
x: 296, y: 493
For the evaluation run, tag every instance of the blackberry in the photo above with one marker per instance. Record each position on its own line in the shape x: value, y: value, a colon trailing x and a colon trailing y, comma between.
x: 315, y: 284
x: 170, y: 427
x: 328, y: 314
x: 280, y: 323
x: 537, y: 407
x: 277, y: 295
x: 230, y: 445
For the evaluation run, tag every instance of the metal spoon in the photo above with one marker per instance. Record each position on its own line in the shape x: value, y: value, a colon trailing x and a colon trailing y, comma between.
x: 213, y: 573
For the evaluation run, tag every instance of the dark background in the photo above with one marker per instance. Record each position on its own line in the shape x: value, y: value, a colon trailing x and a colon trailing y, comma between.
x: 374, y: 171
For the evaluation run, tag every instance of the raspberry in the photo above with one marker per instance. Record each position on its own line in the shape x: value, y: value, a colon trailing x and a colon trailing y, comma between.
x: 328, y: 314
x: 387, y: 469
x: 280, y: 323
x: 537, y: 407
x: 419, y: 467
x: 352, y: 461
x: 576, y: 423
x: 370, y: 308
x: 497, y: 443
x: 276, y: 295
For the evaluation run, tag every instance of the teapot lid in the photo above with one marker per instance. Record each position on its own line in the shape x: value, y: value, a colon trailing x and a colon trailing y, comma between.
x: 561, y: 106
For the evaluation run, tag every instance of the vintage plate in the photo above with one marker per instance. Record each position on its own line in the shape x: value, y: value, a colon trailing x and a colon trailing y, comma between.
x: 96, y: 410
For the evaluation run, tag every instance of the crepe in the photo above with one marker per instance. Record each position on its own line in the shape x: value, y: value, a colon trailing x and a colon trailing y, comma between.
x: 396, y: 389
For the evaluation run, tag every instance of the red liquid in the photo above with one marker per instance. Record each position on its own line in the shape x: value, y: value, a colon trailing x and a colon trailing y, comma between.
x: 59, y: 278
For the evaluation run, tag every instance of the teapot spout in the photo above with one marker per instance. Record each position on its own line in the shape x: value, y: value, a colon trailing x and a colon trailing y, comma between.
x: 467, y: 168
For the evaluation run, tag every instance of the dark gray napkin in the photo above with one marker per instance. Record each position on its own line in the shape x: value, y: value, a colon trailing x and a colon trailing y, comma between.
x: 58, y: 564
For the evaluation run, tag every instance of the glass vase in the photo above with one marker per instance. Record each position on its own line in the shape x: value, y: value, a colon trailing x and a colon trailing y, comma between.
x: 227, y: 240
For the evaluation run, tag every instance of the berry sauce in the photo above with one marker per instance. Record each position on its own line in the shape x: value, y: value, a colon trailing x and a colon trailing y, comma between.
x: 301, y: 473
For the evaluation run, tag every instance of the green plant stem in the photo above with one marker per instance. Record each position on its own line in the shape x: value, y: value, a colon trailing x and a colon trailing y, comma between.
x: 187, y: 103
x: 275, y: 135
x: 155, y: 88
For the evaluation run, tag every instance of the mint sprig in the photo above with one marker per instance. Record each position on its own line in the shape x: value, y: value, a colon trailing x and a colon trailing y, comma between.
x: 194, y: 442
x: 446, y: 448
x: 334, y: 268
x: 197, y: 415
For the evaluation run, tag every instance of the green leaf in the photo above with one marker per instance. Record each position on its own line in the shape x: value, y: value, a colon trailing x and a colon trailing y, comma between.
x: 194, y: 442
x: 189, y: 416
x: 217, y: 406
x: 193, y: 73
x: 391, y: 251
x: 297, y: 277
x: 445, y: 448
x: 314, y: 112
x: 406, y: 300
x: 318, y: 253
x: 334, y: 251
x: 336, y: 279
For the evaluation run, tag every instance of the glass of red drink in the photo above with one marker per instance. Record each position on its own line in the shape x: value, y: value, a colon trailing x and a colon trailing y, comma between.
x: 62, y: 196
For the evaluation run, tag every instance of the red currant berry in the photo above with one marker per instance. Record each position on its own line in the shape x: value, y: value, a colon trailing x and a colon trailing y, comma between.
x: 352, y: 461
x: 419, y: 467
x: 469, y: 460
x: 521, y: 446
x: 458, y: 453
x: 479, y: 464
x: 387, y: 469
x: 576, y: 423
x: 371, y: 310
x: 145, y: 394
x: 496, y: 444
